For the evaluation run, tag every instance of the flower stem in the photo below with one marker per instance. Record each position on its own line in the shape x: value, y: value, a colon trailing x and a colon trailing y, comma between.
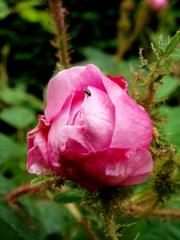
x: 109, y: 198
x: 110, y: 228
x: 125, y: 35
x: 58, y: 14
x: 22, y: 190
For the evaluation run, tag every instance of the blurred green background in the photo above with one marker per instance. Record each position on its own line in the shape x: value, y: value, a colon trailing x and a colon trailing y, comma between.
x: 27, y: 62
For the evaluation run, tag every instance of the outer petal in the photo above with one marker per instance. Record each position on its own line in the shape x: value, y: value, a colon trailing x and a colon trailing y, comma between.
x: 37, y: 147
x: 68, y: 81
x: 142, y: 165
x: 111, y: 167
x: 133, y: 127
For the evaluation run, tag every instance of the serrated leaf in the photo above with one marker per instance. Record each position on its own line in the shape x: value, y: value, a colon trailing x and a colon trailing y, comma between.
x: 18, y: 117
x: 73, y: 195
x: 173, y: 43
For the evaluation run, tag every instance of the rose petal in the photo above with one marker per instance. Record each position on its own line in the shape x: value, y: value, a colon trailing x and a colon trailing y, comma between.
x: 97, y: 117
x: 144, y: 166
x: 37, y: 145
x: 69, y: 137
x: 76, y: 103
x: 66, y: 83
x: 120, y: 81
x: 89, y: 169
x: 133, y: 127
x: 111, y: 167
x: 57, y: 132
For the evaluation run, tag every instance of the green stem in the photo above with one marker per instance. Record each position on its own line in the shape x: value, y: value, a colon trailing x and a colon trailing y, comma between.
x: 58, y: 14
x: 111, y: 199
x: 111, y: 228
x: 125, y: 37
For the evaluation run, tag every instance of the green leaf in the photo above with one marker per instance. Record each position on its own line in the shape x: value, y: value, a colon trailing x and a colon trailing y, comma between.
x: 171, y: 128
x: 21, y: 223
x: 6, y: 232
x: 4, y: 9
x: 27, y: 11
x: 18, y: 117
x: 5, y: 185
x: 173, y: 43
x: 55, y: 218
x: 159, y: 40
x: 40, y: 180
x: 73, y: 195
x: 8, y: 148
x: 29, y: 14
x: 22, y: 5
x: 176, y: 54
x: 168, y: 86
x: 12, y: 95
x: 154, y: 230
x: 101, y: 59
x: 18, y: 96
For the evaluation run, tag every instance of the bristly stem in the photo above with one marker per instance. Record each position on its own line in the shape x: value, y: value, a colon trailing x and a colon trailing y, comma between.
x: 113, y: 202
x: 22, y: 190
x: 58, y: 14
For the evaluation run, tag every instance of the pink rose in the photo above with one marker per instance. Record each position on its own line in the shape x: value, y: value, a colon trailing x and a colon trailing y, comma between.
x: 93, y: 132
x: 158, y: 4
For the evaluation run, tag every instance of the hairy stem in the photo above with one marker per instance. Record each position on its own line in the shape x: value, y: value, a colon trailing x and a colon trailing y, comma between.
x: 110, y: 198
x: 58, y: 14
x: 161, y: 213
x: 110, y: 228
x: 23, y: 190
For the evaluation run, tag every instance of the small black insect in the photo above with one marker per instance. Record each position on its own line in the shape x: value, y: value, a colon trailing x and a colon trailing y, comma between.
x: 87, y: 91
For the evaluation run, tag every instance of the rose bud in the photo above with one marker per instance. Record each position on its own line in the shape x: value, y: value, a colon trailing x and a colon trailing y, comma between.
x: 93, y: 132
x: 157, y: 4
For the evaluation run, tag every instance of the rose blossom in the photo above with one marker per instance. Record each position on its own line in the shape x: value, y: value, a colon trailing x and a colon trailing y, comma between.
x: 157, y: 4
x: 93, y: 132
